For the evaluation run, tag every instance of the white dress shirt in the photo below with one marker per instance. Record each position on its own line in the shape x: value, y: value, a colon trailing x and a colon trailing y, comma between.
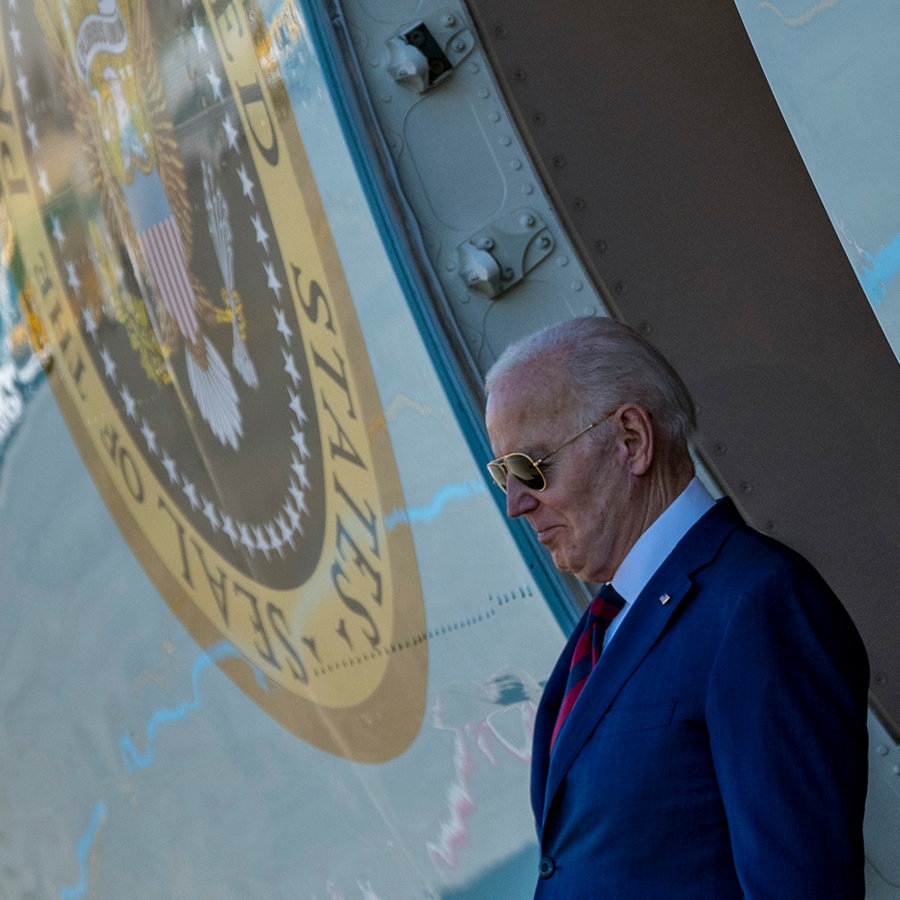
x: 655, y: 544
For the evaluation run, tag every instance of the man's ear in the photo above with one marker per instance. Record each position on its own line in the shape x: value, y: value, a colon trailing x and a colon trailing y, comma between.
x: 636, y: 432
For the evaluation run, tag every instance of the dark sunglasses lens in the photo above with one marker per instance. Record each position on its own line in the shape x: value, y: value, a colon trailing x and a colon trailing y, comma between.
x: 498, y: 473
x: 522, y: 467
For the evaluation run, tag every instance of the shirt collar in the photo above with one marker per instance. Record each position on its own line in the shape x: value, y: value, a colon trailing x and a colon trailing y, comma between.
x: 659, y: 540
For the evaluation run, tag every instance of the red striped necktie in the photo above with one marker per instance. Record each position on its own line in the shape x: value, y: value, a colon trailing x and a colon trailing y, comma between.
x: 604, y: 608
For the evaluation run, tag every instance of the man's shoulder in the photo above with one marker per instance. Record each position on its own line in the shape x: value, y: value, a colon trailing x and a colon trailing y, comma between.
x: 738, y: 565
x: 722, y: 537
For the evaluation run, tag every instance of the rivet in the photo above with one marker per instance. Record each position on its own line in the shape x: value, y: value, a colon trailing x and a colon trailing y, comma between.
x: 621, y: 287
x: 745, y: 487
x: 882, y: 750
x: 578, y: 204
x: 720, y: 447
x: 600, y: 246
x: 537, y: 118
x: 577, y: 286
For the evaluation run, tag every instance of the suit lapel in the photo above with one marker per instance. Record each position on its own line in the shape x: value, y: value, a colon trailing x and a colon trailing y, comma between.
x: 640, y: 630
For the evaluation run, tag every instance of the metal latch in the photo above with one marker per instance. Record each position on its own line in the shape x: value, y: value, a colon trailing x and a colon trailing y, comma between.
x: 424, y: 53
x: 499, y: 256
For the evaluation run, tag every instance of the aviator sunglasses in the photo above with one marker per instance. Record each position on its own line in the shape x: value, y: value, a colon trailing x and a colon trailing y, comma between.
x: 527, y: 470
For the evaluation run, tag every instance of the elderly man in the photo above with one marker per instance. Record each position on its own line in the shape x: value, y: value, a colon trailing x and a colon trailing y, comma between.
x: 703, y: 734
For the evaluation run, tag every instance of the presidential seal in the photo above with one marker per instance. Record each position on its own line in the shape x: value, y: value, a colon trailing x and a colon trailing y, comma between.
x: 173, y: 252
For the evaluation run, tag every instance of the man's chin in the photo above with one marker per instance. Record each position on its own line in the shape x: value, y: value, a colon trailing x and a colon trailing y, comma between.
x: 562, y: 562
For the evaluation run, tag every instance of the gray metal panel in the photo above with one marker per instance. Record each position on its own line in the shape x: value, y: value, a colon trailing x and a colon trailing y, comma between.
x: 666, y: 152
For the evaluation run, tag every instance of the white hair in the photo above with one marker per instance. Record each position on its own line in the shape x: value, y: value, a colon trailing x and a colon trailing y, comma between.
x: 608, y: 364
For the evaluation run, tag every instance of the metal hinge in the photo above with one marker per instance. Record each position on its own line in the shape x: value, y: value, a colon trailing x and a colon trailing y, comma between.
x: 500, y: 255
x: 424, y: 53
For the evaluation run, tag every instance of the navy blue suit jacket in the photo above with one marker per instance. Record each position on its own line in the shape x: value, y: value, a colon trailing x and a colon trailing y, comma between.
x: 719, y: 747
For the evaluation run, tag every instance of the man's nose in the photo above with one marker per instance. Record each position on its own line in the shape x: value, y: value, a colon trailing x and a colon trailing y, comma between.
x: 519, y: 499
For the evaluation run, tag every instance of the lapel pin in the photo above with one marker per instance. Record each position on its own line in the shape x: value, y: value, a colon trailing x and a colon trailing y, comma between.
x: 664, y: 599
